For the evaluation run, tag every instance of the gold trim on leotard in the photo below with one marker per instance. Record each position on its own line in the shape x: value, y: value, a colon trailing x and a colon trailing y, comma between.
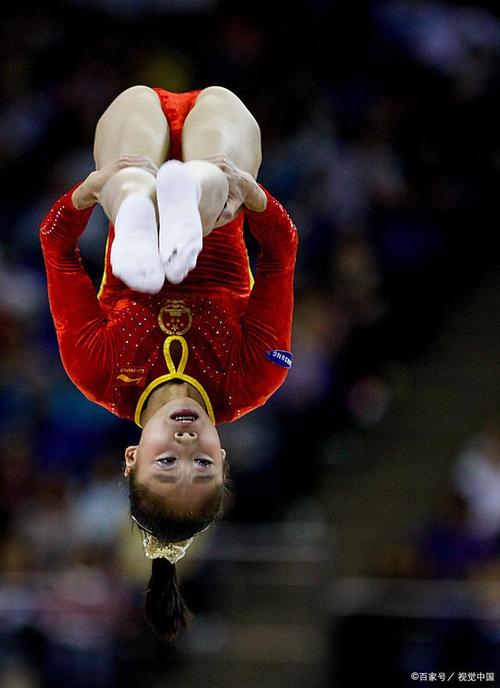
x: 250, y: 274
x: 174, y: 374
x: 104, y: 275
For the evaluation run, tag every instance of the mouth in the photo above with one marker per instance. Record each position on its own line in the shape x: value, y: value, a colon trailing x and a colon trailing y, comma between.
x: 184, y: 416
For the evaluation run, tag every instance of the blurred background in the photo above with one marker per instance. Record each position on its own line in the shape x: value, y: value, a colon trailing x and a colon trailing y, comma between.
x: 362, y: 537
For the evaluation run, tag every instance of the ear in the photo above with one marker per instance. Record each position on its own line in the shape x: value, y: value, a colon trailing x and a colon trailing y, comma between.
x: 223, y: 454
x: 130, y: 459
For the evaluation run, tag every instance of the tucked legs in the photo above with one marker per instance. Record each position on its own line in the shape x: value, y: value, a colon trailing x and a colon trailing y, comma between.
x: 187, y: 198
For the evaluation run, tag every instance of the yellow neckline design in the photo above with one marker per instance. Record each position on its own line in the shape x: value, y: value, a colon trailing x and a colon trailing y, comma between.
x: 174, y: 374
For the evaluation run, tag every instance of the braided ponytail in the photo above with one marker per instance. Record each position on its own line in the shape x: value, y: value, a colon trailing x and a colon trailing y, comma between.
x: 165, y: 608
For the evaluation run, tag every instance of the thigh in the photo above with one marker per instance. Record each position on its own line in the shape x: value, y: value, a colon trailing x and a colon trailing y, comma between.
x: 133, y: 123
x: 221, y: 124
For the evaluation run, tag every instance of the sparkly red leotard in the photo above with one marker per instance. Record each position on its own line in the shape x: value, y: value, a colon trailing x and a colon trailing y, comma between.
x: 229, y: 340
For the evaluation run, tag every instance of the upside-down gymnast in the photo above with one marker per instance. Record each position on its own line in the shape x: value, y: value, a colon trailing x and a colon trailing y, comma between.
x: 179, y: 338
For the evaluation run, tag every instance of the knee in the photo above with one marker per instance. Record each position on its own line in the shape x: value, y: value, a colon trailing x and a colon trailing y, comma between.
x: 220, y: 93
x: 138, y: 91
x: 225, y: 102
x: 133, y: 99
x: 135, y: 95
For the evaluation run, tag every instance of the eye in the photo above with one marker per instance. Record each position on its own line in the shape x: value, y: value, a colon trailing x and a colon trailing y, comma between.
x: 166, y: 460
x: 205, y: 463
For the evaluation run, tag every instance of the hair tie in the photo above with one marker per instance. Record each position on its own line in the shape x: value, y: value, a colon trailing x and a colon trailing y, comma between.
x: 173, y: 551
x: 155, y: 549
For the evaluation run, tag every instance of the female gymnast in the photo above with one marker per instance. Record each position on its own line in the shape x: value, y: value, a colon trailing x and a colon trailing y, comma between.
x: 179, y: 337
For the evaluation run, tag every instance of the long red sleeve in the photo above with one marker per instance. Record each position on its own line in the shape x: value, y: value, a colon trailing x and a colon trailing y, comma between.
x: 262, y: 353
x: 85, y: 341
x: 236, y: 340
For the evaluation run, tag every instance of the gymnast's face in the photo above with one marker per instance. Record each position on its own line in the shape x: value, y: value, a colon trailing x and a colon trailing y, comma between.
x: 179, y: 454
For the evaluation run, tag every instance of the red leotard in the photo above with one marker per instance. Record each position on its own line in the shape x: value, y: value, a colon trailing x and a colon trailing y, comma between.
x: 214, y: 330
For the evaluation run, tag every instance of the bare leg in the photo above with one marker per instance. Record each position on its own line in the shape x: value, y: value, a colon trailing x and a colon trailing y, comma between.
x: 219, y: 124
x: 134, y: 124
x: 192, y: 196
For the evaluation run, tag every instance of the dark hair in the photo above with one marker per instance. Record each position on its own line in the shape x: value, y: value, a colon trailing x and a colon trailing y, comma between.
x: 164, y: 606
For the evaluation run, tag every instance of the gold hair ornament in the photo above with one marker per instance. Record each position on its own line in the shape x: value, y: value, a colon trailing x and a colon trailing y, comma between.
x: 173, y: 551
x: 154, y: 549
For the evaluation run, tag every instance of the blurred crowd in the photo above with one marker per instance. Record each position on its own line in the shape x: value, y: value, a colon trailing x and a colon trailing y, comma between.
x: 379, y: 132
x: 451, y: 624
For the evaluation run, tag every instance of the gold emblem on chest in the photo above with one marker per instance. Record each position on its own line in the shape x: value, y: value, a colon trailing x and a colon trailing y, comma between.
x: 175, y: 317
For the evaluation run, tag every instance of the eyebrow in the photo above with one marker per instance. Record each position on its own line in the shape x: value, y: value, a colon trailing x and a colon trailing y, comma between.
x: 165, y: 478
x: 174, y: 479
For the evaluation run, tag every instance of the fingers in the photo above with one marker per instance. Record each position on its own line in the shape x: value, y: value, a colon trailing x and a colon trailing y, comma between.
x: 243, y: 190
x: 256, y: 200
x: 222, y: 161
x: 231, y: 209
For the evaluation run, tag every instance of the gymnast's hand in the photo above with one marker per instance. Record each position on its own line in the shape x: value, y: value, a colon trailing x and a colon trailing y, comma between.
x: 87, y: 194
x: 243, y: 190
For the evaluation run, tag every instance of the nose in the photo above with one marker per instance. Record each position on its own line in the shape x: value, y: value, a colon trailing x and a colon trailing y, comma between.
x: 185, y: 436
